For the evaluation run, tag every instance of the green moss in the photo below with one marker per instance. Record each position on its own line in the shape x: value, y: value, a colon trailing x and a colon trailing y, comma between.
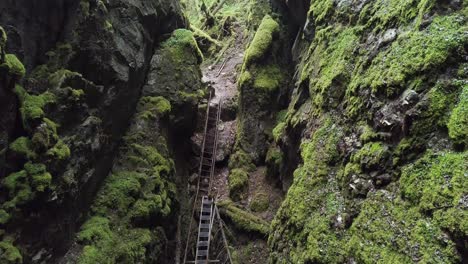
x: 238, y: 183
x: 40, y: 178
x: 260, y: 202
x: 120, y: 191
x: 45, y: 135
x: 371, y: 155
x: 367, y: 134
x: 268, y: 78
x: 23, y: 147
x: 15, y: 182
x: 202, y: 36
x: 23, y: 185
x: 281, y: 125
x: 13, y: 66
x: 388, y: 230
x: 4, y: 217
x: 279, y: 130
x: 91, y: 255
x: 152, y: 205
x: 32, y: 105
x: 108, y: 25
x: 60, y: 151
x: 242, y: 219
x: 115, y: 247
x: 262, y: 41
x: 9, y: 254
x: 458, y: 121
x: 320, y: 10
x: 256, y: 11
x: 408, y: 149
x: 439, y: 101
x: 151, y: 107
x: 241, y: 160
x: 332, y: 66
x: 391, y: 69
x: 84, y: 7
x: 274, y: 161
x: 181, y: 43
x: 77, y: 94
x: 95, y: 229
x: 56, y: 78
x: 436, y: 181
x: 310, y: 204
x: 384, y: 14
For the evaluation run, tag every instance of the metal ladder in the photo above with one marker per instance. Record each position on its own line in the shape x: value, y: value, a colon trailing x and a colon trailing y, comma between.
x: 204, y: 230
x: 205, y: 182
x: 208, y: 153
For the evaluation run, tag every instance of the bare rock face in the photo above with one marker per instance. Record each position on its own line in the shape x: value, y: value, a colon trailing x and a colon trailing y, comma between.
x: 226, y: 139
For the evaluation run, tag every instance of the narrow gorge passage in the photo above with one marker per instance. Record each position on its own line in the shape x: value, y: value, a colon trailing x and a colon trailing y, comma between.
x: 342, y: 135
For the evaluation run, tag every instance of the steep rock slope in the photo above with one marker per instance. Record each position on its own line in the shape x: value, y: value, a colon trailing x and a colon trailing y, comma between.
x: 73, y: 109
x: 379, y: 107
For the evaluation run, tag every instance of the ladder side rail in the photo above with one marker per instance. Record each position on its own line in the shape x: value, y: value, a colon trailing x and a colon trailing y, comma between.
x: 210, y: 228
x: 215, y: 147
x: 199, y: 228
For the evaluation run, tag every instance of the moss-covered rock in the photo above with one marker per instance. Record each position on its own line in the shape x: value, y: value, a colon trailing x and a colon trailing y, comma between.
x: 241, y: 160
x: 23, y: 147
x: 391, y: 69
x: 310, y: 205
x: 388, y: 230
x: 238, y: 183
x: 458, y: 121
x: 181, y: 43
x: 9, y: 254
x: 242, y: 219
x: 436, y: 184
x: 32, y: 106
x: 372, y: 155
x: 4, y: 217
x: 274, y: 161
x: 137, y: 197
x: 262, y: 41
x: 260, y: 202
x: 260, y: 83
x: 151, y: 106
x: 13, y: 66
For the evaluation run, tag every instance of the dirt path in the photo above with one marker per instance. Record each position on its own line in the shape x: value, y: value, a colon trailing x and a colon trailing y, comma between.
x: 222, y: 76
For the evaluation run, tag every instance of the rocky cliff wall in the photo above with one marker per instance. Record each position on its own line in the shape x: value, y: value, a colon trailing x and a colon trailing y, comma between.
x: 87, y: 63
x: 379, y: 109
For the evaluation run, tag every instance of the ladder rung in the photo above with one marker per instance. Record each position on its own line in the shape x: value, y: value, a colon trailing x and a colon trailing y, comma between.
x: 203, y: 234
x: 204, y: 225
x: 202, y: 253
x: 205, y: 217
x: 202, y: 244
x: 206, y: 210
